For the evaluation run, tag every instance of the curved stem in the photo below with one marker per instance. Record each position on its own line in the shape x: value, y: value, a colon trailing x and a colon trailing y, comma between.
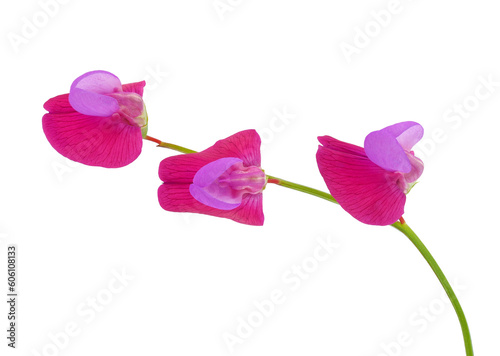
x: 170, y: 145
x: 408, y: 232
x: 399, y: 225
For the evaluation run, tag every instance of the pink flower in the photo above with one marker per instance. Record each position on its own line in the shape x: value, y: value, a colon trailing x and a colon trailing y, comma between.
x: 371, y: 183
x: 224, y: 180
x: 99, y: 123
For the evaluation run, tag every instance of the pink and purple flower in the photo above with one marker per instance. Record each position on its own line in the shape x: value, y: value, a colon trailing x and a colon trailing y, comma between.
x: 371, y: 183
x: 224, y: 180
x: 100, y: 122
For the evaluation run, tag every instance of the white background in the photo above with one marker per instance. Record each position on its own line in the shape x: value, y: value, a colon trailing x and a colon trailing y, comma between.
x: 195, y: 276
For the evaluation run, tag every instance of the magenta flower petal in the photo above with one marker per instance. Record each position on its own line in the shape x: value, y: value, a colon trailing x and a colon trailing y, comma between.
x: 337, y: 145
x: 366, y: 191
x: 106, y: 141
x: 178, y: 174
x: 137, y: 88
x: 91, y: 140
x: 87, y: 93
x: 177, y: 198
x: 212, y: 200
x: 244, y: 145
x: 59, y: 104
x: 181, y: 169
x: 386, y: 148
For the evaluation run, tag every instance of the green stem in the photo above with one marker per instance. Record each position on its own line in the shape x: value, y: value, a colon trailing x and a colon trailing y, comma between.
x: 405, y: 229
x: 169, y: 145
x: 301, y: 188
x: 401, y: 226
x: 176, y: 148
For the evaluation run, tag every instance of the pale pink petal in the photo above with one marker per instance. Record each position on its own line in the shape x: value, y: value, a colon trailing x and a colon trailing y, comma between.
x: 91, y: 140
x: 87, y: 93
x: 366, y: 191
x: 384, y: 150
x: 98, y: 81
x: 207, y: 174
x: 388, y: 147
x: 417, y: 168
x: 407, y: 133
x: 92, y: 104
x: 206, y: 190
x: 60, y: 103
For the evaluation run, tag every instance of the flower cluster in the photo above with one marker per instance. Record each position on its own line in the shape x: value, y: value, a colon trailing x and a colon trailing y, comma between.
x: 102, y: 123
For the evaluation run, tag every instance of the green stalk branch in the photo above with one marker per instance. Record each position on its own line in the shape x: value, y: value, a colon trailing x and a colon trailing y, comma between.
x: 399, y: 225
x: 408, y: 232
